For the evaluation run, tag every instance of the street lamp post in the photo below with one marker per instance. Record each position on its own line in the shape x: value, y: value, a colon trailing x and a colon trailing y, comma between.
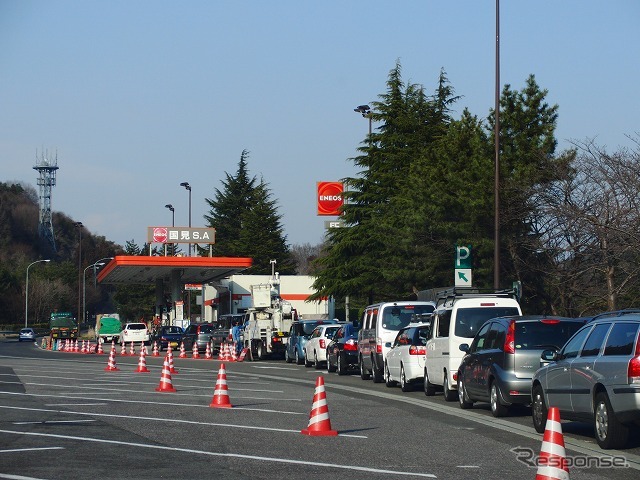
x: 78, y: 225
x: 365, y: 110
x: 188, y: 187
x: 98, y: 263
x: 26, y: 292
x: 173, y: 224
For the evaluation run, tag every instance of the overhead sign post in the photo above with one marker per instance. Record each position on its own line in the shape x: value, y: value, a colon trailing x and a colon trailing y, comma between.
x: 463, y: 275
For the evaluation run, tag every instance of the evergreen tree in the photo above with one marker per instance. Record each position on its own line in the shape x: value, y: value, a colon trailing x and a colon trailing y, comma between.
x: 247, y: 223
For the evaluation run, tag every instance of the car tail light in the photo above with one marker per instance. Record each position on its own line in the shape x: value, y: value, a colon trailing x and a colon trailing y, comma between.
x: 633, y: 371
x: 323, y: 344
x: 455, y: 377
x: 378, y: 345
x: 276, y: 340
x: 416, y: 350
x: 230, y: 337
x: 510, y: 339
x: 351, y: 345
x: 550, y: 321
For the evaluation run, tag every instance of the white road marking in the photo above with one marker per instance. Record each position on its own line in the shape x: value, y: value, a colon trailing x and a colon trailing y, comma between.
x: 156, y: 419
x: 228, y: 455
x: 52, y: 421
x: 30, y: 449
x: 74, y: 404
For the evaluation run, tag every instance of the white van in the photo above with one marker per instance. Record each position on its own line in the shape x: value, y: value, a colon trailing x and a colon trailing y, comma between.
x: 456, y: 320
x: 380, y: 325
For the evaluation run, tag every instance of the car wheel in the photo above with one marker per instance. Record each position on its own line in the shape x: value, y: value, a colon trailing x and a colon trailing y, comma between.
x: 299, y: 359
x: 463, y: 398
x: 287, y: 358
x: 364, y: 375
x: 610, y: 432
x: 449, y: 394
x: 316, y: 363
x: 330, y: 367
x: 260, y: 353
x: 404, y: 385
x: 538, y: 409
x: 307, y: 363
x: 376, y: 374
x: 497, y: 408
x: 341, y: 366
x: 429, y: 388
x: 387, y: 376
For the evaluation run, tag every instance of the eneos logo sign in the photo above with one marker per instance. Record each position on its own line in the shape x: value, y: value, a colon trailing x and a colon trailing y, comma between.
x: 329, y: 198
x: 160, y: 235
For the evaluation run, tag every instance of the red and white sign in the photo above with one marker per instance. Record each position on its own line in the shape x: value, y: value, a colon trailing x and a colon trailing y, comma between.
x: 160, y: 235
x: 330, y: 198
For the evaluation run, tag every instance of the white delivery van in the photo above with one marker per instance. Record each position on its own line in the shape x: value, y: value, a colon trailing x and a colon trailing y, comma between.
x: 456, y: 320
x: 380, y: 325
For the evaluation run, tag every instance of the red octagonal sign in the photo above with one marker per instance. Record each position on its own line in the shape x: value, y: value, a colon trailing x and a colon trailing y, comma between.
x: 160, y: 235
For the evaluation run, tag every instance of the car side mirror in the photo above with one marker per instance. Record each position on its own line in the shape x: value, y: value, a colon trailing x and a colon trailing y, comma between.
x: 387, y: 345
x: 549, y: 355
x: 464, y: 348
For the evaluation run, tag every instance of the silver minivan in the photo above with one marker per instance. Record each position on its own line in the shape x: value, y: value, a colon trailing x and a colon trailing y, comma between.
x: 595, y: 377
x: 380, y: 325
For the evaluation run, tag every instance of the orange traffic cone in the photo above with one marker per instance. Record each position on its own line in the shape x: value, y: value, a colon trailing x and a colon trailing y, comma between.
x: 100, y: 350
x: 170, y: 356
x: 123, y: 349
x: 155, y: 351
x: 113, y: 345
x: 221, y: 352
x: 552, y: 463
x: 142, y: 362
x: 183, y: 352
x: 234, y: 352
x: 194, y: 351
x: 319, y: 423
x: 207, y: 352
x: 111, y: 365
x: 226, y: 355
x: 132, y: 350
x: 83, y: 349
x: 76, y: 348
x: 165, y: 378
x: 221, y: 394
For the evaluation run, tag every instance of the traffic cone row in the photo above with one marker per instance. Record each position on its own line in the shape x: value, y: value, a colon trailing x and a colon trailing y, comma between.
x: 552, y: 462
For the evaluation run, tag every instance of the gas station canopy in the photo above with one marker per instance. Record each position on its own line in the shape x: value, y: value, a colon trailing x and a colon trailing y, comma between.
x: 129, y: 269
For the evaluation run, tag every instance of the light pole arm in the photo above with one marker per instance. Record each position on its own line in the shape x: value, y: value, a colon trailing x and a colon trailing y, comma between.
x: 26, y: 292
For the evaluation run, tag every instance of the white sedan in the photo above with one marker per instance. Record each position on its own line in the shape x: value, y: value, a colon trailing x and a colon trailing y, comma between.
x: 315, y: 351
x: 405, y: 361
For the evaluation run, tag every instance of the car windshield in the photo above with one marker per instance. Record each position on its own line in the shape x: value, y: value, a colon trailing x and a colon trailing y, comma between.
x: 306, y: 328
x: 331, y: 331
x: 206, y: 328
x: 538, y: 335
x: 469, y: 320
x: 400, y: 316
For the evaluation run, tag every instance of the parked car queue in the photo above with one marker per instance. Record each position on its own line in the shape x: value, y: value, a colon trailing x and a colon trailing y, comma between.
x: 587, y: 367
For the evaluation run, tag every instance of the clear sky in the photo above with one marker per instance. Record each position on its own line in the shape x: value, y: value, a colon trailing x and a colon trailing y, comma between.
x: 138, y: 96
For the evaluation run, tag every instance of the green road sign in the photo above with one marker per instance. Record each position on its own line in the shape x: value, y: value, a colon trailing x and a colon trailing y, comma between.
x: 463, y: 256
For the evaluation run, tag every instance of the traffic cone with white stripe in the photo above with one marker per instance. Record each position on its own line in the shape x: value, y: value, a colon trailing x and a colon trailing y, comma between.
x: 83, y: 349
x: 111, y: 365
x: 183, y: 352
x: 552, y: 462
x: 319, y: 423
x: 194, y: 351
x: 207, y: 352
x: 170, y: 357
x: 76, y: 347
x: 165, y: 378
x: 100, y: 350
x: 226, y: 356
x: 123, y: 349
x: 132, y: 350
x: 142, y: 362
x: 155, y: 351
x: 221, y: 393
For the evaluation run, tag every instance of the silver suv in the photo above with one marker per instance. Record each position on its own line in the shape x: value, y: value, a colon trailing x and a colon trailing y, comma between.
x: 595, y: 377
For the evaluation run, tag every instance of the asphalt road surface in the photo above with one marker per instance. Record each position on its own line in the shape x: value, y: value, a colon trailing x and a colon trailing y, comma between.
x: 62, y: 416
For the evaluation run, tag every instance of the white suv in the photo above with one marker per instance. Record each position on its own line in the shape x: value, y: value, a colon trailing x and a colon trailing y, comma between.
x: 134, y: 332
x: 456, y: 320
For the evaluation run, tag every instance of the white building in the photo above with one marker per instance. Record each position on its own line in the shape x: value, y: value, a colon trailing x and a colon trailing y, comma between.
x: 233, y: 295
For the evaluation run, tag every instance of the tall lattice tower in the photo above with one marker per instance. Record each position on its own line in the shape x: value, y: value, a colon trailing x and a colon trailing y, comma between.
x: 46, y: 168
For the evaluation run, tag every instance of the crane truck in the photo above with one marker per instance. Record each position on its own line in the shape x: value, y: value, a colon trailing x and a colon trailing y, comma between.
x: 267, y: 321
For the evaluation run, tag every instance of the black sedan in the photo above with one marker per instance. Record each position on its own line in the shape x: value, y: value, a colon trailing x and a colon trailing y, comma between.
x: 168, y: 335
x: 342, y: 351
